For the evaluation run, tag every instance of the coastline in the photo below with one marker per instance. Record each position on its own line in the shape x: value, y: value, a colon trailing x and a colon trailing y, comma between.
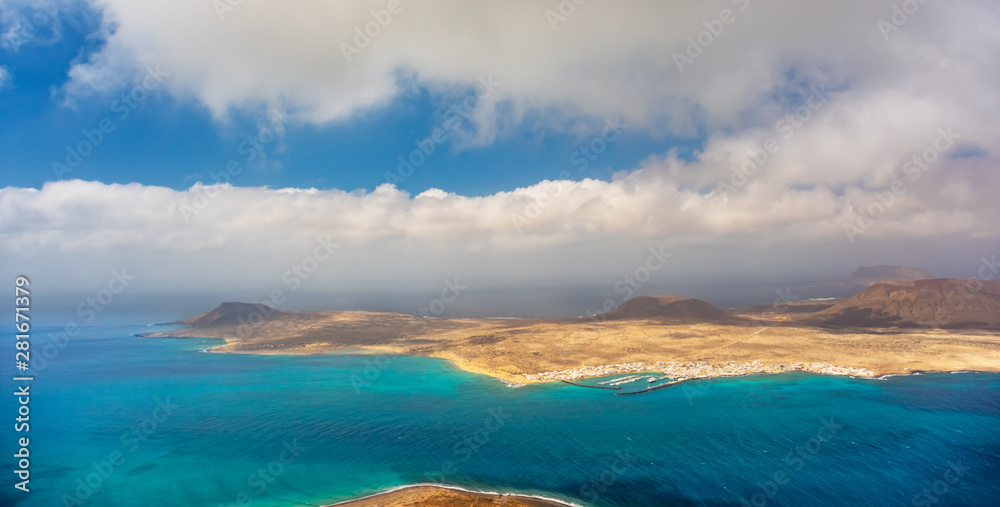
x: 681, y: 353
x: 590, y: 371
x: 521, y: 352
x: 401, y: 495
x: 464, y: 366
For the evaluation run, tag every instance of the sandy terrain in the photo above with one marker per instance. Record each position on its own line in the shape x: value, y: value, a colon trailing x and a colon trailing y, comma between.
x: 431, y: 496
x: 510, y: 348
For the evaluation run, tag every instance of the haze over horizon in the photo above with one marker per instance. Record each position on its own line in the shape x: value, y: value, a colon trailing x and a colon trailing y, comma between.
x: 242, y: 149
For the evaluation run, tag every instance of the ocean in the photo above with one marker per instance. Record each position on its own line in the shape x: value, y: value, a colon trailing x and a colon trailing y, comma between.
x: 118, y: 420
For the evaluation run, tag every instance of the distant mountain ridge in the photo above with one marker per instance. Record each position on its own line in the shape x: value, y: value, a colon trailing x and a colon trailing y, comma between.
x: 673, y: 307
x: 949, y: 303
x: 956, y: 303
x: 234, y: 313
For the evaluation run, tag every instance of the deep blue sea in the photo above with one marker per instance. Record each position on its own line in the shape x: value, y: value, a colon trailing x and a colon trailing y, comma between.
x: 118, y: 420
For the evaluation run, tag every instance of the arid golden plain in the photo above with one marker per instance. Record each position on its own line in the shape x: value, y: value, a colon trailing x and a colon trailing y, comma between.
x: 889, y: 328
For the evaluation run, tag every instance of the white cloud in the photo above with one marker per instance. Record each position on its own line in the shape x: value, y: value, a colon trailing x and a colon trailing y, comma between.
x: 35, y: 22
x: 885, y: 102
x: 604, y: 60
x: 75, y: 215
x: 4, y: 76
x: 390, y: 235
x: 886, y: 97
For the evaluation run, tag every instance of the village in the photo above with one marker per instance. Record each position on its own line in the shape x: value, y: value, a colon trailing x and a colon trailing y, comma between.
x: 679, y: 371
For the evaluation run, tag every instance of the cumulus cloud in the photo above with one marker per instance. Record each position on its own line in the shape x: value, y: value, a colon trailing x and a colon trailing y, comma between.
x: 599, y: 59
x: 728, y: 72
x: 665, y: 198
x: 814, y: 117
x: 528, y: 232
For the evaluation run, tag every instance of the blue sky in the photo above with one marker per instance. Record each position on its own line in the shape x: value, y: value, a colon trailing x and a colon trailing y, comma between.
x: 173, y: 142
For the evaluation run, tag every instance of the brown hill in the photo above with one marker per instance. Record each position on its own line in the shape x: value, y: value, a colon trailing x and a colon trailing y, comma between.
x: 234, y: 314
x: 669, y: 307
x: 954, y: 303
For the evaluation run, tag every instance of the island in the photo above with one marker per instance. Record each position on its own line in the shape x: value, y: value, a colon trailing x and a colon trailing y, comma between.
x: 890, y: 327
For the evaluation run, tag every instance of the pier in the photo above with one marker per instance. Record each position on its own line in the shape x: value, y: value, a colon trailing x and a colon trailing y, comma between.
x: 648, y: 389
x: 592, y: 387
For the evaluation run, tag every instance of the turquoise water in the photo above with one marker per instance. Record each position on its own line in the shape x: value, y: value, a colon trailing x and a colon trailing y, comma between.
x: 215, y: 429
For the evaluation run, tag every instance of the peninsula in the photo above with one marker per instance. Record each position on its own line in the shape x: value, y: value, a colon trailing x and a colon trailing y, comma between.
x: 442, y: 496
